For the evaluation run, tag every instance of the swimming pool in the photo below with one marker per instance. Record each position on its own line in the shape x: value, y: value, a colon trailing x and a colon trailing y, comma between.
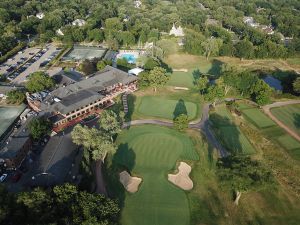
x: 130, y: 58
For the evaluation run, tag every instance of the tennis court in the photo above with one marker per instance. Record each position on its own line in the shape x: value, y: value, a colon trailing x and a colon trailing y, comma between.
x: 8, y: 114
x: 84, y: 52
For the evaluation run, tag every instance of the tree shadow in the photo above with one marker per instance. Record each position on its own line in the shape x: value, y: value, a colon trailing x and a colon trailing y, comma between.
x: 227, y: 133
x: 196, y: 75
x: 180, y: 108
x: 287, y: 78
x: 166, y: 67
x: 123, y: 159
x: 296, y: 117
x: 130, y: 103
x: 216, y: 68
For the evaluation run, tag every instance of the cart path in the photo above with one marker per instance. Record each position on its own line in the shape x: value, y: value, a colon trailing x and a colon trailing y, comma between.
x: 202, y: 125
x: 267, y: 110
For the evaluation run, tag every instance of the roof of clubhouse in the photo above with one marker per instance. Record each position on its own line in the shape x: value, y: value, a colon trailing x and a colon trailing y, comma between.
x: 76, y: 95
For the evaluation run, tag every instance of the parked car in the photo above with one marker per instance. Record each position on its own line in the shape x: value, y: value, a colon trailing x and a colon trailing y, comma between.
x: 15, y: 178
x: 3, y: 177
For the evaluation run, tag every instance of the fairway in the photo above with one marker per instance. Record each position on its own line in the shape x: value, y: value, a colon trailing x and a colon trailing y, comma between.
x: 289, y: 115
x: 228, y: 133
x: 181, y: 79
x: 160, y: 107
x: 258, y: 118
x: 150, y: 152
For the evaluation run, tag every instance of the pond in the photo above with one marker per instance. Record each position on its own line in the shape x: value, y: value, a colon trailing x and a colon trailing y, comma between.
x: 273, y: 82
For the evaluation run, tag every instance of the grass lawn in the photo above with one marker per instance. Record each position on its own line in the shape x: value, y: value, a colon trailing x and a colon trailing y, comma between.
x: 258, y: 118
x: 229, y: 134
x: 166, y: 108
x: 150, y: 152
x: 182, y: 79
x: 289, y: 115
x: 164, y: 104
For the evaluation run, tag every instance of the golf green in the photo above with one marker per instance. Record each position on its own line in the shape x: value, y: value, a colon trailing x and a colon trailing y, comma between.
x: 162, y: 107
x: 151, y: 152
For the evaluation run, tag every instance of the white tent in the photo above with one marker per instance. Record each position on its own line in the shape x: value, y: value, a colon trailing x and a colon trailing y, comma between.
x: 135, y: 71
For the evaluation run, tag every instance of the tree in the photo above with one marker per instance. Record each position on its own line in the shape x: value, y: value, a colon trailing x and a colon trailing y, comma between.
x: 158, y: 77
x: 296, y: 85
x: 261, y: 92
x: 151, y: 63
x: 211, y: 46
x: 88, y: 67
x: 241, y: 174
x: 214, y: 93
x: 181, y: 122
x: 39, y: 81
x: 109, y: 124
x: 38, y: 127
x: 244, y: 49
x: 15, y: 97
x: 103, y: 63
x: 201, y: 83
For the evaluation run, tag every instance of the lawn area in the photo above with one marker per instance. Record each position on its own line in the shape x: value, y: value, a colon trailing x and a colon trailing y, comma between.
x: 258, y: 118
x: 289, y: 115
x: 229, y: 134
x: 182, y: 79
x: 164, y: 104
x: 150, y: 152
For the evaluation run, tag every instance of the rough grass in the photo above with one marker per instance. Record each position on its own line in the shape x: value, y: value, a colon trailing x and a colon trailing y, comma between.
x: 229, y: 134
x: 150, y: 152
x: 289, y: 115
x: 164, y: 104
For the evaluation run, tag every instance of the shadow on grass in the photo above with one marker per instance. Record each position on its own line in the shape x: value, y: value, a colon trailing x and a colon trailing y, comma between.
x: 227, y: 133
x: 216, y: 67
x: 180, y: 108
x: 130, y: 101
x: 123, y: 159
x: 296, y: 117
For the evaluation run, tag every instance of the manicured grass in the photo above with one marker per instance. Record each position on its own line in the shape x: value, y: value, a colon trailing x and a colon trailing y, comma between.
x: 229, y: 134
x: 166, y: 108
x: 164, y: 104
x: 182, y: 79
x: 150, y: 152
x: 289, y: 115
x: 258, y: 118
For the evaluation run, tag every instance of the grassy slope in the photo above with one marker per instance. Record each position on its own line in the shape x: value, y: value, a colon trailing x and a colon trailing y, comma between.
x: 145, y: 104
x: 157, y: 201
x: 290, y: 115
x: 229, y: 133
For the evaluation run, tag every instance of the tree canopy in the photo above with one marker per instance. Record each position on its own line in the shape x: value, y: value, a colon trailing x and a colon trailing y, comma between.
x: 39, y: 81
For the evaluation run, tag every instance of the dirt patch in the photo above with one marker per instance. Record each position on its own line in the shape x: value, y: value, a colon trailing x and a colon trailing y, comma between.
x: 182, y: 179
x: 131, y: 184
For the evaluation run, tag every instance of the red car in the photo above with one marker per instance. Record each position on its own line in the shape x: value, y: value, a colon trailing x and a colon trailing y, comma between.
x: 15, y: 178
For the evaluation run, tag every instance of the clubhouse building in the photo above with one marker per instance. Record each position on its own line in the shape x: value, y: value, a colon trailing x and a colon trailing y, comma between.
x: 69, y: 104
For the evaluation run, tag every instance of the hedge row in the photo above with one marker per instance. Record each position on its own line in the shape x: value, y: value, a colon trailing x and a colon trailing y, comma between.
x: 12, y: 52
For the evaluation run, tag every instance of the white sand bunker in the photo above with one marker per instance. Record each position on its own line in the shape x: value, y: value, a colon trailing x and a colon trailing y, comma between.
x: 182, y: 179
x: 131, y: 184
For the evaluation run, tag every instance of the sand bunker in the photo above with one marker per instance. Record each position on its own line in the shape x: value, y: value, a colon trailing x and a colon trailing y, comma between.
x: 131, y: 184
x: 180, y: 70
x: 182, y: 179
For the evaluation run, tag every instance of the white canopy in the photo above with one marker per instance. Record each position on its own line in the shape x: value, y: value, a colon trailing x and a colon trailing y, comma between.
x: 135, y: 71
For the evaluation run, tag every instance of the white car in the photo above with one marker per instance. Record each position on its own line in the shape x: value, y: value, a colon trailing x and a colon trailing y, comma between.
x: 3, y: 177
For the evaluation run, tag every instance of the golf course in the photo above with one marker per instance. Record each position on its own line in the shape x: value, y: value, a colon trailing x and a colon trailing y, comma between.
x: 151, y: 152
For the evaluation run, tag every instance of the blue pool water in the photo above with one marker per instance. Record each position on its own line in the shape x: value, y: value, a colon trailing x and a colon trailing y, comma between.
x: 129, y: 57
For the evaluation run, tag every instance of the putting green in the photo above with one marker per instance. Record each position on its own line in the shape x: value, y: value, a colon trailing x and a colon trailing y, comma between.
x: 150, y: 152
x: 162, y: 107
x: 289, y: 115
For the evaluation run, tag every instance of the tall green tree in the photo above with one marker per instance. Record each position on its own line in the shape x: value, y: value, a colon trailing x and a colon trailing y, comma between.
x: 16, y: 97
x: 158, y: 77
x: 109, y: 124
x: 38, y: 127
x: 202, y: 83
x: 296, y: 85
x: 181, y: 122
x: 241, y: 174
x: 39, y: 81
x: 244, y: 49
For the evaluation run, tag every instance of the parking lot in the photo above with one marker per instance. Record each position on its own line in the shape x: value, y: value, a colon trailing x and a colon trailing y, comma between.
x: 19, y: 67
x: 42, y: 58
x: 11, y: 64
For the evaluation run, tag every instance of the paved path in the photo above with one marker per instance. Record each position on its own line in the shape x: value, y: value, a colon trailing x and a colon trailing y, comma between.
x: 202, y: 124
x: 267, y: 110
x: 99, y: 178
